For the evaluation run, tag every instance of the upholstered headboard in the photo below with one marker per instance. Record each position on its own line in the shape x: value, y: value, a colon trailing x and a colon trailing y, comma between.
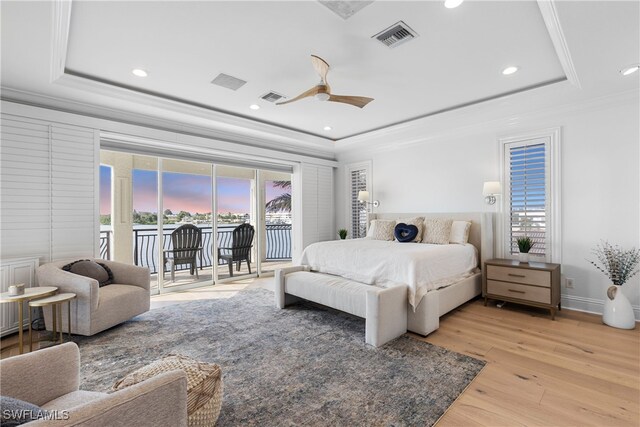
x: 480, y: 235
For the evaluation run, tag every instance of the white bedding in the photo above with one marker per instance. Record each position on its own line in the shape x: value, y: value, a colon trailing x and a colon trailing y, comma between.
x: 422, y: 267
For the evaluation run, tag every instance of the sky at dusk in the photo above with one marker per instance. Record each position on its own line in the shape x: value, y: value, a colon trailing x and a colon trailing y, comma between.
x: 184, y: 192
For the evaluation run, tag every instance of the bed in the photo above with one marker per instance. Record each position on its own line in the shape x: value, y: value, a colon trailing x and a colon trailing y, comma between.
x: 451, y: 278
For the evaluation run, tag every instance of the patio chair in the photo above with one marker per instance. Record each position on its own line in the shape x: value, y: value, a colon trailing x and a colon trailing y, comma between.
x: 186, y: 242
x: 240, y: 250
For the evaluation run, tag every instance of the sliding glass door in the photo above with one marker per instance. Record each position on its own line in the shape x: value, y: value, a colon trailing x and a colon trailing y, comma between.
x: 187, y: 223
x: 193, y: 223
x: 236, y: 217
x: 275, y: 207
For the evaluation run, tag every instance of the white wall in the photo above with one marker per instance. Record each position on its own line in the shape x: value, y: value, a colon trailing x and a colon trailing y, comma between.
x: 600, y: 183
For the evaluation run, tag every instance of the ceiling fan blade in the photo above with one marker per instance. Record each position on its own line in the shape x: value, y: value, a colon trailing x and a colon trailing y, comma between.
x: 320, y: 66
x: 356, y: 101
x: 311, y: 92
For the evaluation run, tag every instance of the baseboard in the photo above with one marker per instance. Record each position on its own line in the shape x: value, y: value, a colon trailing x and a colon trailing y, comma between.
x: 590, y: 305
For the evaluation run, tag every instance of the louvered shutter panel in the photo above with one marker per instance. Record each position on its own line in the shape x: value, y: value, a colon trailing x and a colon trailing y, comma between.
x: 317, y: 204
x: 358, y: 210
x: 528, y: 179
x: 74, y: 168
x: 47, y: 187
x: 25, y: 222
x: 325, y: 204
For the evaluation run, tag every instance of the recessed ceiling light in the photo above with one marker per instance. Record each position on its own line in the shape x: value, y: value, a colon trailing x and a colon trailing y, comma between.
x: 139, y: 72
x: 630, y: 70
x: 327, y: 128
x: 254, y: 107
x: 450, y: 4
x: 509, y: 70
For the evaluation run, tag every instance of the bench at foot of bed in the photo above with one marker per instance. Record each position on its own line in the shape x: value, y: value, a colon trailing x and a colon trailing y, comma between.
x: 384, y: 309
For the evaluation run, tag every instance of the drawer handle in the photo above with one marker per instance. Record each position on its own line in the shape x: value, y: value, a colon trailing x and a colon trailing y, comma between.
x: 518, y: 292
x: 517, y: 275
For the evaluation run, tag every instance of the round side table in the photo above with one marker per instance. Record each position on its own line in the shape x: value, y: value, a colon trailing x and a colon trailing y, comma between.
x: 29, y: 294
x: 55, y: 302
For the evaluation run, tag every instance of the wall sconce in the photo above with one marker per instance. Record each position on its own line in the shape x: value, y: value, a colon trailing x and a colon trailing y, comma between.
x: 363, y: 197
x: 490, y: 190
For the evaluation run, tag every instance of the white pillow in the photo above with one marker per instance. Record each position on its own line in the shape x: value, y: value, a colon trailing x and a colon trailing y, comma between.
x: 437, y: 230
x: 381, y: 229
x: 418, y: 222
x: 460, y: 232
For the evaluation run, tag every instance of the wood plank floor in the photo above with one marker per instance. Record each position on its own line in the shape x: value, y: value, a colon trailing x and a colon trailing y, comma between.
x: 573, y: 371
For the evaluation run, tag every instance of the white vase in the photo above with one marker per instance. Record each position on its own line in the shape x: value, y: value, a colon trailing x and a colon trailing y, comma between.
x: 617, y: 309
x: 523, y: 257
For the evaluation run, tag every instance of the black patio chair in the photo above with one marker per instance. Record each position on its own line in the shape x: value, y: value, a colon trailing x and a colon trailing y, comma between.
x: 186, y: 243
x: 240, y: 250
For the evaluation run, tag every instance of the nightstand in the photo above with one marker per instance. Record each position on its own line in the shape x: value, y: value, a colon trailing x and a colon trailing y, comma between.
x: 535, y: 284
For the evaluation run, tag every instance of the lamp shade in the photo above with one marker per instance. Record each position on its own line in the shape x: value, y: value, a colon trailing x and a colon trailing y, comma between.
x: 363, y: 196
x: 491, y: 188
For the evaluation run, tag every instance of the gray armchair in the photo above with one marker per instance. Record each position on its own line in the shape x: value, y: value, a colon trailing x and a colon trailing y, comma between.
x: 98, y: 308
x: 49, y: 378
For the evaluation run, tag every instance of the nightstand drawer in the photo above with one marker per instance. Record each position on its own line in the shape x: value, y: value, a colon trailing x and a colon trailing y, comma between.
x: 519, y: 275
x: 523, y: 292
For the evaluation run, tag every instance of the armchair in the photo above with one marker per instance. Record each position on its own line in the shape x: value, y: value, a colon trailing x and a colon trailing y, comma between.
x: 98, y: 308
x: 49, y: 378
x: 240, y: 250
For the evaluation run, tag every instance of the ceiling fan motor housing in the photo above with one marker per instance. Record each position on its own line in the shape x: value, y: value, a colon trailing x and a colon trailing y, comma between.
x: 323, y: 92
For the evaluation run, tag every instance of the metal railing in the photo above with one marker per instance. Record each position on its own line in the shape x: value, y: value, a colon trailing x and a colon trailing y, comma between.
x: 105, y: 244
x: 145, y: 245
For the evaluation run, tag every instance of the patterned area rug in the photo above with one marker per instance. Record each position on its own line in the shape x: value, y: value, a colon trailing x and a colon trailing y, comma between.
x: 306, y: 365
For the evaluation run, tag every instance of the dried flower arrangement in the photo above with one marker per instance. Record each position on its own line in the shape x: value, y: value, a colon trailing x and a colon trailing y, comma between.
x: 617, y: 264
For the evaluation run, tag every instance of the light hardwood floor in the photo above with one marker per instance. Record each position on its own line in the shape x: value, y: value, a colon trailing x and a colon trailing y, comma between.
x: 573, y: 371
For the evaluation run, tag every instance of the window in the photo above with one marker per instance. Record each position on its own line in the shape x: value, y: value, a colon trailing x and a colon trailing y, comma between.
x: 528, y: 195
x: 531, y: 203
x: 358, y: 176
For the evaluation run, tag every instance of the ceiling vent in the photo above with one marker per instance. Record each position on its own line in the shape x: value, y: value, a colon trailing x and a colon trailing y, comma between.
x: 272, y: 96
x: 228, y: 81
x: 395, y: 35
x: 345, y: 9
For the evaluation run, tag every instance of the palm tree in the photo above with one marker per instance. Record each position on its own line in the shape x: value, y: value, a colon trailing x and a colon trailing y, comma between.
x: 282, y: 203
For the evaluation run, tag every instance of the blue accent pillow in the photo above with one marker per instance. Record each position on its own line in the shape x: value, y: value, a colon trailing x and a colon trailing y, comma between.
x: 15, y: 412
x: 405, y: 233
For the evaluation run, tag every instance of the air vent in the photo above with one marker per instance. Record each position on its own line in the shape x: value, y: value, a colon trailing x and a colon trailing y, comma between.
x: 272, y: 96
x: 396, y: 35
x: 345, y: 9
x: 228, y: 81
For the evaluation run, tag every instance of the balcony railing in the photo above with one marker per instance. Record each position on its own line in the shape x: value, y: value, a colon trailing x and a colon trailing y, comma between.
x: 105, y: 244
x: 145, y: 244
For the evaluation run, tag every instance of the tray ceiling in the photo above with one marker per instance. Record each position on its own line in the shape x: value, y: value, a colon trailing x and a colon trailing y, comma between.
x: 456, y: 59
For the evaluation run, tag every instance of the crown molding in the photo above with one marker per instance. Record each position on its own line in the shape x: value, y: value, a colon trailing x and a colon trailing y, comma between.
x: 23, y: 103
x: 61, y: 20
x: 449, y: 126
x: 216, y: 121
x: 552, y: 22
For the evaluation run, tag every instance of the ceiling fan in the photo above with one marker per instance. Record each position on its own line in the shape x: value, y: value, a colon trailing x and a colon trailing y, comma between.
x: 322, y: 91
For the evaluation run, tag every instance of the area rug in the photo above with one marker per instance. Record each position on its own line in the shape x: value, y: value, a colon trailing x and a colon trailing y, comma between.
x: 305, y: 365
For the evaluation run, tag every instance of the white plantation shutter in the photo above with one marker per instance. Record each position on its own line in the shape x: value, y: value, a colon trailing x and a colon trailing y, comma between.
x: 74, y: 165
x: 358, y: 179
x: 326, y: 229
x: 317, y: 204
x: 528, y: 194
x: 47, y: 189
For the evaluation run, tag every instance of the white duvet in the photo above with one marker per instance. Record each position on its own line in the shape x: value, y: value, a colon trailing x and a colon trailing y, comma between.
x: 421, y: 266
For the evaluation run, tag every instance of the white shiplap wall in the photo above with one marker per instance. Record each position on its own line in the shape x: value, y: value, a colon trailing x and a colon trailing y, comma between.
x: 48, y: 183
x: 317, y: 204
